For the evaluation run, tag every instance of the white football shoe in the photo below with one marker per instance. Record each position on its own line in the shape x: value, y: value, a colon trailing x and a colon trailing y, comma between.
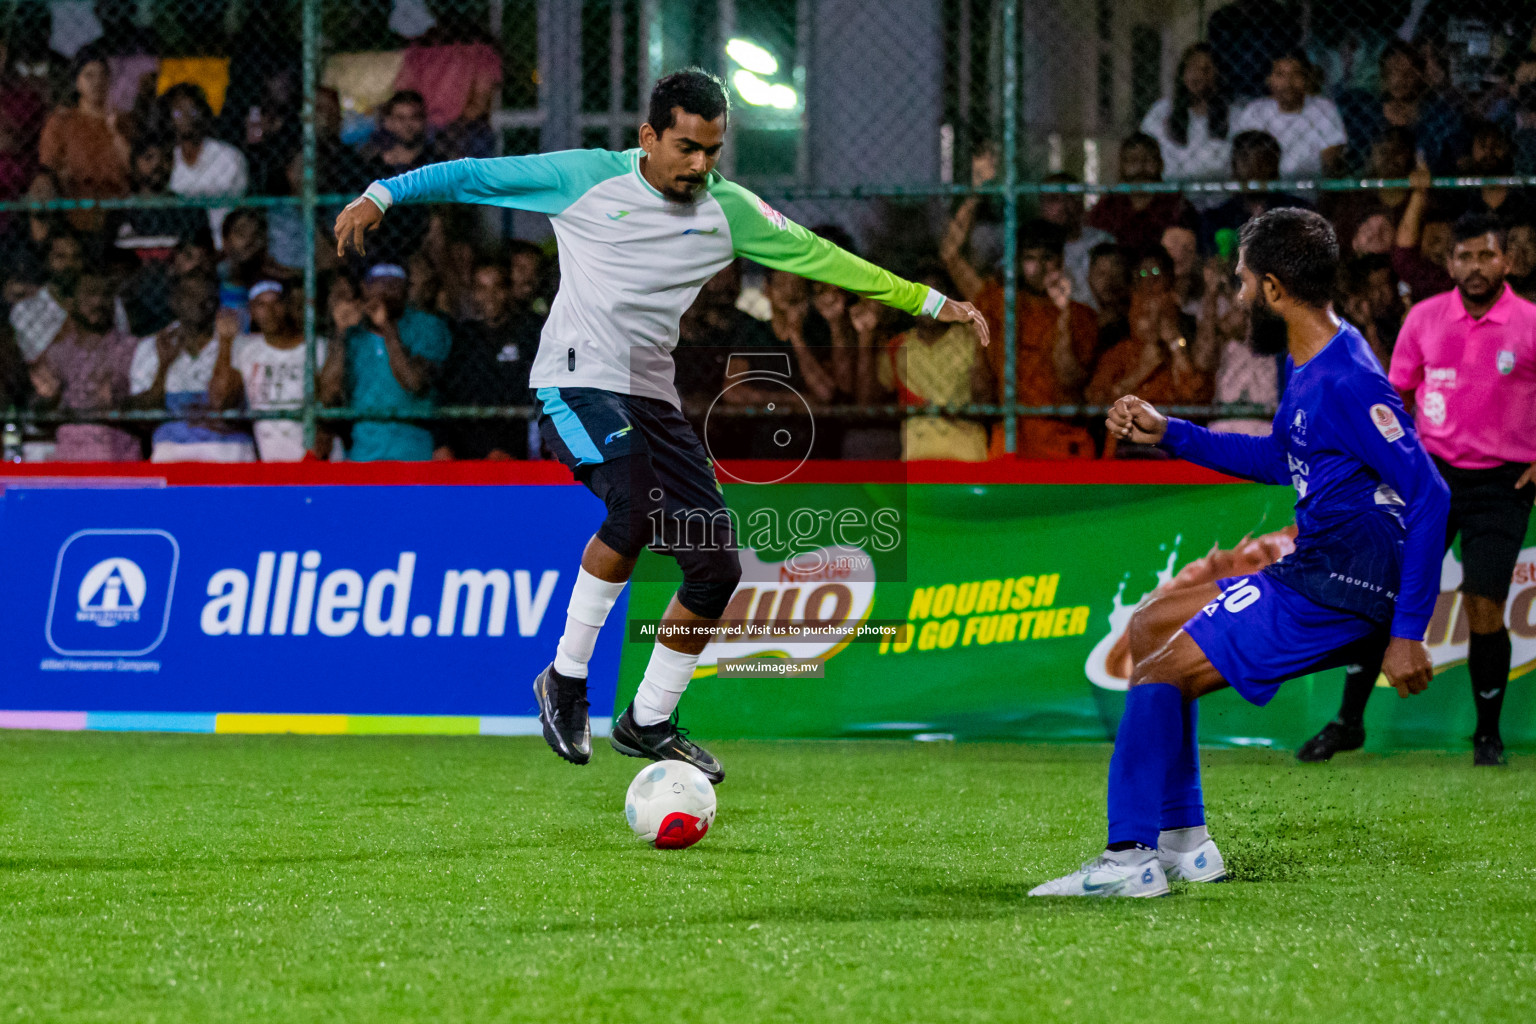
x: 1202, y: 864
x: 1132, y: 873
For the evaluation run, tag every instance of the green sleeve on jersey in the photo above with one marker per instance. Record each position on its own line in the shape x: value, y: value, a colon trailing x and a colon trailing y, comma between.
x: 543, y: 183
x: 761, y: 233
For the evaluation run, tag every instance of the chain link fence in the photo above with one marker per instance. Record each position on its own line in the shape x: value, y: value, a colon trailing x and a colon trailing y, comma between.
x: 170, y: 170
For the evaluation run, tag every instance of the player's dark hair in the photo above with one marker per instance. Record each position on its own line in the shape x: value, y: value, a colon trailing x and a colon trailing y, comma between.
x: 1040, y: 234
x: 1476, y: 225
x: 694, y: 90
x: 1298, y: 248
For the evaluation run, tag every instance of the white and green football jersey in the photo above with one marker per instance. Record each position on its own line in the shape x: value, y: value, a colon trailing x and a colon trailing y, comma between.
x: 632, y: 261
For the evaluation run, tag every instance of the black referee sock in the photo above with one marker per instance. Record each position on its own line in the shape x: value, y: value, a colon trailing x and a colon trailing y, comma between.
x: 1488, y: 656
x: 1359, y: 681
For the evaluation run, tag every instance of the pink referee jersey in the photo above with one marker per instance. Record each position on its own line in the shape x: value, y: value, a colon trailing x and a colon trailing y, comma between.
x: 1474, y: 381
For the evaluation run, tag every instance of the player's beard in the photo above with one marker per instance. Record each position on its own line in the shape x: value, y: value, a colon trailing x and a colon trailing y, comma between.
x: 1267, y: 332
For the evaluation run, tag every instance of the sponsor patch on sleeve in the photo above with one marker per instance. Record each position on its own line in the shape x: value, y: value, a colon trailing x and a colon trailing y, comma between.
x: 1386, y: 422
x: 774, y: 217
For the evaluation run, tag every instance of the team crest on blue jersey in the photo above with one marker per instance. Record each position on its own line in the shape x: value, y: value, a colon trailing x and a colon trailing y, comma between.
x: 1299, y: 429
x: 1506, y: 362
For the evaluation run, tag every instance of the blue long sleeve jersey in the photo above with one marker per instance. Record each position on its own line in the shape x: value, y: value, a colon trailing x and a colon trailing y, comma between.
x: 1370, y: 505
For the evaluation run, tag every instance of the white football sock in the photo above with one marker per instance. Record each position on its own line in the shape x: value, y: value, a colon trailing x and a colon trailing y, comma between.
x: 666, y: 677
x: 591, y: 601
x: 1182, y: 840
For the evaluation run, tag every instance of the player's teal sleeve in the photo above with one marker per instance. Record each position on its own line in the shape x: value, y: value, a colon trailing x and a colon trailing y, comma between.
x: 1244, y: 455
x: 1391, y: 448
x: 766, y: 236
x: 545, y: 183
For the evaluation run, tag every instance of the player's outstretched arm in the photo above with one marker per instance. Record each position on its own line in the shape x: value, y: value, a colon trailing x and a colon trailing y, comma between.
x: 953, y: 312
x: 353, y: 223
x: 1253, y: 458
x: 543, y: 183
x: 762, y: 234
x: 1132, y: 419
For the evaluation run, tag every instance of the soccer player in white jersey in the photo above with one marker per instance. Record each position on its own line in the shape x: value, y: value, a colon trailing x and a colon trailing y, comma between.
x: 639, y: 233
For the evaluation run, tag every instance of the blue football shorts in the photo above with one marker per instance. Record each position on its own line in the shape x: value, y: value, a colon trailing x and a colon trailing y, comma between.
x: 1261, y: 632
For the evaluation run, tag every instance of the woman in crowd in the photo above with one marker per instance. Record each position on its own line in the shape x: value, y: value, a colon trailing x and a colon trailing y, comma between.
x: 1192, y: 128
x: 82, y: 147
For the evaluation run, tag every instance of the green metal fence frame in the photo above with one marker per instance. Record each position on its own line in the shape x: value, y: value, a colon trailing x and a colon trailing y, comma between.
x: 1011, y: 192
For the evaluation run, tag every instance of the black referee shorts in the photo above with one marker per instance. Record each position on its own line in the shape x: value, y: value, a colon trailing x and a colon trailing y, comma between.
x: 1492, y: 517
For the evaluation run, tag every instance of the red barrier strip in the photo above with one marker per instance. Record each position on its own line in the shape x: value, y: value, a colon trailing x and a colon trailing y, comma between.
x: 314, y: 474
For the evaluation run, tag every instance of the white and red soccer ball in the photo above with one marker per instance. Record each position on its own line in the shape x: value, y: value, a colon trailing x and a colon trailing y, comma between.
x: 670, y: 805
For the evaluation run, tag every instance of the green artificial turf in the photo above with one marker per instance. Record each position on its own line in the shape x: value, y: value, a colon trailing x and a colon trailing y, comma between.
x: 278, y: 879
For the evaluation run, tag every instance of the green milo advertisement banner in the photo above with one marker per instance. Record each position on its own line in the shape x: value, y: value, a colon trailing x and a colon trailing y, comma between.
x: 1001, y: 612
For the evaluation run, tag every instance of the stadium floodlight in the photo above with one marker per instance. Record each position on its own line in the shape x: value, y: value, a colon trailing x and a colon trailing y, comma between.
x: 752, y: 89
x: 752, y: 57
x: 758, y: 93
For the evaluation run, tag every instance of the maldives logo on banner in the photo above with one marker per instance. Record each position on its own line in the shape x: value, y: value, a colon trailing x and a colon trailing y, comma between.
x: 111, y: 594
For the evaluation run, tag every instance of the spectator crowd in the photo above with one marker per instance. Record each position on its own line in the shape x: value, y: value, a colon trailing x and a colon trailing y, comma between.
x: 197, y: 310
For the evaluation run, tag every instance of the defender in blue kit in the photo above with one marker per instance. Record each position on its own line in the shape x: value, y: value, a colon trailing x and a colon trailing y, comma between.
x: 1370, y: 517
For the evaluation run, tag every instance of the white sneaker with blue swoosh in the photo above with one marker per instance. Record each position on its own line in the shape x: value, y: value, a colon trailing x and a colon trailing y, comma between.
x: 1133, y: 873
x: 1202, y: 864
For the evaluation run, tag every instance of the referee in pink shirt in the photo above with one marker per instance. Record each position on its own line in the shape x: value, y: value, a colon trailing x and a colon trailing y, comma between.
x: 1465, y: 363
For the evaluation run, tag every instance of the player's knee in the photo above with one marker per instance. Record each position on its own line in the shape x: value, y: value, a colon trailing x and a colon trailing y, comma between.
x: 633, y: 497
x: 709, y: 582
x: 1167, y: 664
x: 1146, y: 632
x: 1484, y: 615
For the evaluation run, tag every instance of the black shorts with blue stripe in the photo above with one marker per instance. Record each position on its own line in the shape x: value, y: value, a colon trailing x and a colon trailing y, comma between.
x: 639, y: 455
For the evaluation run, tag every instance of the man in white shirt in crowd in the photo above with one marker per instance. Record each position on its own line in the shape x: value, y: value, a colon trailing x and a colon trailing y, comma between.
x: 1309, y: 129
x: 202, y: 166
x: 173, y: 370
x: 38, y: 318
x: 267, y: 369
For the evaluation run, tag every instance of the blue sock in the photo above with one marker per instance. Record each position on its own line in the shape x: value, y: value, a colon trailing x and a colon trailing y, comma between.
x: 1146, y: 745
x: 1183, y: 803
